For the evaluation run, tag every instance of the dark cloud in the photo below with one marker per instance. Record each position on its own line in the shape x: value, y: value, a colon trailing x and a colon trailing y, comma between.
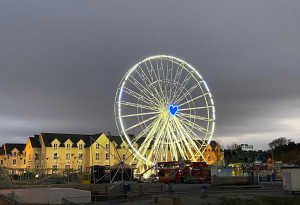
x: 61, y: 61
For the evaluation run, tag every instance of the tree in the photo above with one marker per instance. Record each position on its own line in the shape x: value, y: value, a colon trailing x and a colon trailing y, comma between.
x: 279, y: 142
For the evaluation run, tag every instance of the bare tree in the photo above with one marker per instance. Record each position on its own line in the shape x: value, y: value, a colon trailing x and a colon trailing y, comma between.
x: 278, y: 142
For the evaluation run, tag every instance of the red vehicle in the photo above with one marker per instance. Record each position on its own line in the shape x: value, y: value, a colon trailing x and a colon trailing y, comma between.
x: 195, y: 172
x: 168, y: 171
x: 186, y: 172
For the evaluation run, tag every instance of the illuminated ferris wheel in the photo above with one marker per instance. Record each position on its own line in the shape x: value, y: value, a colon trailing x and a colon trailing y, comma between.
x: 164, y: 110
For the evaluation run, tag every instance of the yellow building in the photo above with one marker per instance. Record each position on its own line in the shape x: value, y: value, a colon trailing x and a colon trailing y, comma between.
x: 213, y: 153
x: 12, y: 155
x: 58, y: 151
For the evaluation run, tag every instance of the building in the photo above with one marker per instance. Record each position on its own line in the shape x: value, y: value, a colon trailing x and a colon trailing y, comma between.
x: 213, y: 153
x: 13, y: 155
x: 60, y: 151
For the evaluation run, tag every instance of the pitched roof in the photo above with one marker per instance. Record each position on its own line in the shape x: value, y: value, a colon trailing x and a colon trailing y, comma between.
x: 35, y: 143
x: 2, y: 152
x: 213, y: 144
x: 8, y: 147
x: 62, y: 138
x: 118, y: 140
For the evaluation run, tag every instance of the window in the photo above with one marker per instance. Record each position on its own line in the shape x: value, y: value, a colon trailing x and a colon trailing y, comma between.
x: 36, y: 156
x: 68, y: 146
x: 55, y: 146
x: 97, y: 156
x: 123, y: 147
x: 97, y: 146
x: 68, y: 155
x: 24, y: 154
x: 209, y: 158
x: 29, y: 157
x: 14, y: 161
x: 107, y: 156
x: 67, y: 166
x: 80, y: 146
x: 54, y: 155
x: 15, y: 154
x: 80, y: 168
x: 24, y: 161
x: 107, y: 146
x: 80, y: 156
x: 1, y: 162
x: 124, y: 156
x: 36, y: 167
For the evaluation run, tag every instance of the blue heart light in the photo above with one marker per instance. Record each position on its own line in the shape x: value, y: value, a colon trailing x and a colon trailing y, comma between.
x: 173, y: 109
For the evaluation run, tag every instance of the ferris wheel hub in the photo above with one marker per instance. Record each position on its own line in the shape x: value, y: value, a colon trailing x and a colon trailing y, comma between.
x: 173, y: 109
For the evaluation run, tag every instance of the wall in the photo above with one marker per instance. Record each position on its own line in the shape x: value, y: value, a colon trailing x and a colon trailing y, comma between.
x: 47, y: 195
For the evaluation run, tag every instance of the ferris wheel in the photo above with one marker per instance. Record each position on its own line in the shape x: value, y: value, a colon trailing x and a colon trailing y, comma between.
x: 164, y: 111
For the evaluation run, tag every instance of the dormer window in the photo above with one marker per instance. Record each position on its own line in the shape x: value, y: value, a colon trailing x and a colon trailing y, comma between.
x: 55, y: 146
x: 15, y: 154
x: 80, y: 146
x: 68, y: 147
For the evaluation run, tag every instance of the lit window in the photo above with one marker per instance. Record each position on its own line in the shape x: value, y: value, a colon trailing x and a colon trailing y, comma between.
x: 80, y: 147
x: 97, y: 146
x: 107, y: 156
x: 97, y: 156
x: 14, y: 161
x: 68, y: 146
x: 55, y: 146
x: 54, y: 155
x: 67, y: 155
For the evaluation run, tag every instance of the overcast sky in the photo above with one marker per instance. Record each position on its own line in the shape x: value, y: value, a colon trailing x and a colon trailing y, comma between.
x: 61, y: 62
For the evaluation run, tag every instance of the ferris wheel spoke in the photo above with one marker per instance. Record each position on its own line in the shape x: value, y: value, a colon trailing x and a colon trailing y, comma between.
x: 138, y: 96
x: 173, y: 148
x: 158, y: 137
x: 194, y: 117
x: 138, y: 124
x: 176, y: 79
x: 197, y: 108
x: 145, y: 79
x: 193, y: 99
x: 157, y: 76
x: 185, y: 94
x: 182, y: 86
x: 143, y: 89
x: 146, y: 143
x: 191, y: 140
x: 184, y: 136
x: 179, y: 142
x: 194, y: 125
x: 144, y: 131
x: 136, y: 105
x: 139, y: 114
